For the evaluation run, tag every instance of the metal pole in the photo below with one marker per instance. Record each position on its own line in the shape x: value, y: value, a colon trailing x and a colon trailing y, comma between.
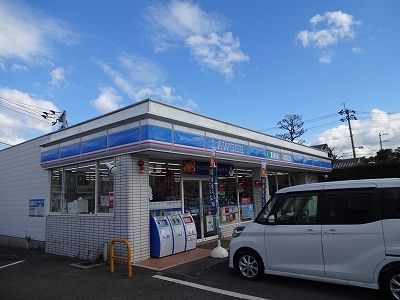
x: 380, y: 140
x: 217, y: 203
x: 351, y: 134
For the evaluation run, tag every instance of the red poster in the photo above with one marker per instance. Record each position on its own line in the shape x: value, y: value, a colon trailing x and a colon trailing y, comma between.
x: 111, y: 200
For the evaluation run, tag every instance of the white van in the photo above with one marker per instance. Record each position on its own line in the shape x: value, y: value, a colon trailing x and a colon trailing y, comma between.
x: 345, y: 232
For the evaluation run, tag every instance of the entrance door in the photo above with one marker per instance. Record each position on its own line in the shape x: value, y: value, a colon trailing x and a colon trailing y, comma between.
x: 209, y: 224
x: 196, y: 196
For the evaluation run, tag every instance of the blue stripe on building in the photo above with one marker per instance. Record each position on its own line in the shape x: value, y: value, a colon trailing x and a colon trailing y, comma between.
x: 70, y: 150
x: 156, y: 133
x: 96, y: 144
x: 257, y: 152
x: 49, y: 155
x: 162, y: 134
x: 189, y: 139
x: 125, y: 137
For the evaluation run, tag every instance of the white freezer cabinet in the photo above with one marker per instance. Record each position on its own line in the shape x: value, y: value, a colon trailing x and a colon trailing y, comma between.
x: 78, y: 206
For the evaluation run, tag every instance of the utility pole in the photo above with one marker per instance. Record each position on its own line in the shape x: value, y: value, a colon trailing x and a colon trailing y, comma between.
x: 63, y: 120
x: 349, y: 115
x: 380, y: 138
x: 56, y: 116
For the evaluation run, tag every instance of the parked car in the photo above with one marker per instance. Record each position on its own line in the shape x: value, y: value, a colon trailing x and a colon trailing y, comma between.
x: 345, y: 232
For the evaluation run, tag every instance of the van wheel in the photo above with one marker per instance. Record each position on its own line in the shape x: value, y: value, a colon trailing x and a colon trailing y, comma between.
x: 249, y: 264
x: 391, y: 284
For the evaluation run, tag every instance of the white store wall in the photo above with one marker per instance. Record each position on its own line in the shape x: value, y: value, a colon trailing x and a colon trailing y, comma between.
x: 21, y: 179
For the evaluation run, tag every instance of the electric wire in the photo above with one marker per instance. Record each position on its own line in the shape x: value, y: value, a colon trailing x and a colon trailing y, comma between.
x: 29, y: 110
x: 5, y: 144
x: 24, y: 113
x: 40, y: 109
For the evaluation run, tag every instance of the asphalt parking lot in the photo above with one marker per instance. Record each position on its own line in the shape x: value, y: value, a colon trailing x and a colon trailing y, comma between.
x: 39, y: 275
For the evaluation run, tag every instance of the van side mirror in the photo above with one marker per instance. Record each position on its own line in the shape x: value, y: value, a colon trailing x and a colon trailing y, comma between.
x: 271, y: 220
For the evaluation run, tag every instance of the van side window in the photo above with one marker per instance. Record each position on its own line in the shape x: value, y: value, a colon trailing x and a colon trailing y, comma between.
x: 263, y: 215
x: 390, y: 201
x: 298, y: 209
x: 351, y: 208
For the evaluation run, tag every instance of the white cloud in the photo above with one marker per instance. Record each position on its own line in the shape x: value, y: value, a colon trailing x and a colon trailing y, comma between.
x: 366, y: 134
x: 2, y: 65
x: 325, y: 57
x: 132, y: 77
x: 18, y: 67
x: 357, y: 50
x: 119, y: 80
x: 29, y: 35
x: 17, y: 127
x: 140, y: 69
x: 218, y: 52
x: 107, y: 101
x: 57, y: 76
x: 185, y: 23
x: 327, y: 30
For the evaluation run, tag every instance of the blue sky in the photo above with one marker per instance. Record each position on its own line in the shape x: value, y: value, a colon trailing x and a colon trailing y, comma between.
x: 246, y: 64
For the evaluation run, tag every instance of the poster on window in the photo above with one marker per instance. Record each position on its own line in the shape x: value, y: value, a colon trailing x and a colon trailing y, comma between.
x: 170, y: 185
x: 247, y: 211
x: 111, y: 200
x: 210, y: 226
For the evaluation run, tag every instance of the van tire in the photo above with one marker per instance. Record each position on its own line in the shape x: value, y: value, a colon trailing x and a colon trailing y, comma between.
x: 248, y: 264
x: 391, y: 280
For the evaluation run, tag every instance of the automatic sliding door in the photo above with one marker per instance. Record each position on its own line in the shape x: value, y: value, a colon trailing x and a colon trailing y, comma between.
x: 210, y: 229
x: 191, y: 196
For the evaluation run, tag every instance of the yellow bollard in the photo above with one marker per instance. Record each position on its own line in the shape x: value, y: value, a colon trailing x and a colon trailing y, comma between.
x: 113, y: 257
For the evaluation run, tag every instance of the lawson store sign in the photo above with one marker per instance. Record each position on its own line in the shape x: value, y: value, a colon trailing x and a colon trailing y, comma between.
x: 146, y: 137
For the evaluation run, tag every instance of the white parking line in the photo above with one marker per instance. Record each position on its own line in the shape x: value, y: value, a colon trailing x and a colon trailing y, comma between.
x: 14, y: 263
x: 209, y: 289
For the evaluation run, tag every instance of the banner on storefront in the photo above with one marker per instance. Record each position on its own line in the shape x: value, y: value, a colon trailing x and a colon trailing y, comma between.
x: 202, y: 168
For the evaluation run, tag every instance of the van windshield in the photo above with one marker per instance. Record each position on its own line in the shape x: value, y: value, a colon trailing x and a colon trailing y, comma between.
x: 263, y: 215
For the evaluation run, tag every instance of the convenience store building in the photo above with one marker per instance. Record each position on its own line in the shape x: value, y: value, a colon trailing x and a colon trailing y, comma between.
x: 74, y: 190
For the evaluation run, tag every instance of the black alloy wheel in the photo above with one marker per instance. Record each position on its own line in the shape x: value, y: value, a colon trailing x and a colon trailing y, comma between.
x: 391, y: 284
x: 249, y: 264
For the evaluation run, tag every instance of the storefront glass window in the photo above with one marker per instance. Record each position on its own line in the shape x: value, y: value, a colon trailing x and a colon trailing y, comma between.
x: 80, y: 189
x: 245, y: 191
x: 165, y: 180
x: 56, y: 190
x: 74, y: 188
x: 228, y: 201
x: 105, y: 203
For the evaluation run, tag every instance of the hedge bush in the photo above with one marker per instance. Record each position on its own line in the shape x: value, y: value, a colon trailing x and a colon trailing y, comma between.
x: 390, y: 169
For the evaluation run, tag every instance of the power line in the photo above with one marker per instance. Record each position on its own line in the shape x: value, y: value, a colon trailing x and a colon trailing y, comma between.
x: 40, y: 109
x: 50, y: 116
x: 5, y: 144
x: 24, y: 113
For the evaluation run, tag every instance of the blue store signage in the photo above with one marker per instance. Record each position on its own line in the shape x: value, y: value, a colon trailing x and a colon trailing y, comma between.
x: 147, y: 134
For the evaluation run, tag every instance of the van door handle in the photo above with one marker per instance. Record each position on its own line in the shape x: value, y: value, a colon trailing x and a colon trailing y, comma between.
x: 311, y: 231
x: 330, y: 231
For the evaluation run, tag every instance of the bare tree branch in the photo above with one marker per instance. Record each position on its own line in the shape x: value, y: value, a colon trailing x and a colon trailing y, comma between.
x: 293, y: 124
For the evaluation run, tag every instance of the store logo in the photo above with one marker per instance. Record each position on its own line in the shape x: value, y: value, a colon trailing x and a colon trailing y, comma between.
x: 226, y: 146
x: 273, y: 155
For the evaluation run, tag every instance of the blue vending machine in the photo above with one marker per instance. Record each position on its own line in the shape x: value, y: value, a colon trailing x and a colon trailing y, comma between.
x: 190, y: 232
x: 178, y: 232
x: 161, y: 239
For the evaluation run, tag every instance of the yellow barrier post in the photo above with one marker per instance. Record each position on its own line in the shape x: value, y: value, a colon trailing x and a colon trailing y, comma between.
x: 113, y: 257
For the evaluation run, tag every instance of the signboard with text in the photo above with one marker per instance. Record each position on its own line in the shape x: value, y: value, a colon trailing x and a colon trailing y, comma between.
x: 36, y: 207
